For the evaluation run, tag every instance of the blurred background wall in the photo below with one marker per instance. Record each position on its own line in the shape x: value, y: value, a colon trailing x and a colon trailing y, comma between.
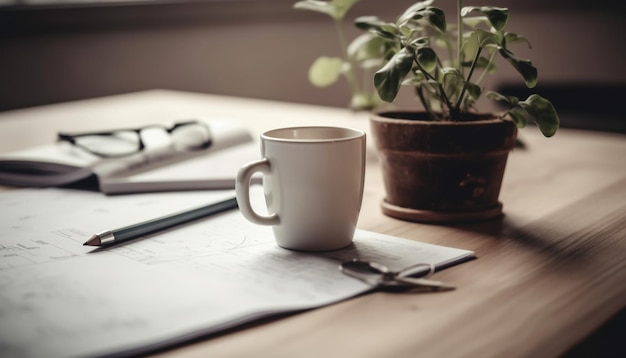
x: 263, y: 49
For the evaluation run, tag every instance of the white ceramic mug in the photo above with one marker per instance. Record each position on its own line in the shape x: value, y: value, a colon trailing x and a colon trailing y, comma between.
x: 313, y: 184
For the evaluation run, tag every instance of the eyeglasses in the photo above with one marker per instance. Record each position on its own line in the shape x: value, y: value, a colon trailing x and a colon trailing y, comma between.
x: 185, y: 136
x: 380, y: 276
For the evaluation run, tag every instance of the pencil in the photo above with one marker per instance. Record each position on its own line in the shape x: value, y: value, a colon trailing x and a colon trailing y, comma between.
x: 154, y: 225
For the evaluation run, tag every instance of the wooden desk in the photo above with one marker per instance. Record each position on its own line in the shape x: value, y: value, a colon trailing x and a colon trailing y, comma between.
x: 547, y: 275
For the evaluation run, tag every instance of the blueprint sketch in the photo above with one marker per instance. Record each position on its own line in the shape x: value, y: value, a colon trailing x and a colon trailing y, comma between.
x: 59, y: 298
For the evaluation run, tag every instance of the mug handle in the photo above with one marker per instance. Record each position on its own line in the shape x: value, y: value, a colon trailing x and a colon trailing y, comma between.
x: 242, y: 190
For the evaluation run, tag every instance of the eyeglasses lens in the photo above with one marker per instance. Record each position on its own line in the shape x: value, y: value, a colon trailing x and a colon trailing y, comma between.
x: 192, y: 136
x: 116, y: 144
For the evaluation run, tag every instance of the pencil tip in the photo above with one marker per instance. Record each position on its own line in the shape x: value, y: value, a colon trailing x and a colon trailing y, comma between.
x: 93, y: 241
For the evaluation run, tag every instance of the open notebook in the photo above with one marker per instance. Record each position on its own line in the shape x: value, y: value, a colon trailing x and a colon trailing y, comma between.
x: 158, y: 168
x: 62, y: 299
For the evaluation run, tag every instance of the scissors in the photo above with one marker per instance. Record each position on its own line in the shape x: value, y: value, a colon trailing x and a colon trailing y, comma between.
x: 380, y: 276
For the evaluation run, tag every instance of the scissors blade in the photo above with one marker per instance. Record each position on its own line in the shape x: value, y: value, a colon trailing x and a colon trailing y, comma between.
x: 425, y: 283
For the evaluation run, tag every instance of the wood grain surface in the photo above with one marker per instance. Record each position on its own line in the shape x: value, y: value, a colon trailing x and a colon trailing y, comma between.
x: 547, y: 274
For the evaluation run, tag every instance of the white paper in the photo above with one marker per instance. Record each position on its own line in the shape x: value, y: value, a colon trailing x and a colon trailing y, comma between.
x: 59, y: 298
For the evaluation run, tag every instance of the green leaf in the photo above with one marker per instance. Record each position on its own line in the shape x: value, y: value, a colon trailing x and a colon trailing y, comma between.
x: 325, y: 71
x: 451, y: 71
x: 473, y: 90
x: 441, y: 40
x: 427, y: 58
x: 336, y: 9
x: 512, y: 38
x: 518, y: 116
x: 471, y: 42
x: 381, y: 28
x: 420, y: 42
x: 366, y: 46
x: 437, y: 18
x: 389, y: 78
x: 323, y: 7
x: 416, y: 80
x: 524, y: 67
x: 482, y: 63
x: 410, y: 12
x: 486, y: 38
x: 497, y: 16
x: 452, y: 80
x: 342, y: 7
x: 371, y: 64
x: 511, y: 100
x: 363, y: 101
x: 475, y: 21
x: 543, y: 113
x: 430, y: 15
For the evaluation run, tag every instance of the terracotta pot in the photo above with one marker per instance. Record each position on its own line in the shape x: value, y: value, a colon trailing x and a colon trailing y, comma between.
x: 442, y: 172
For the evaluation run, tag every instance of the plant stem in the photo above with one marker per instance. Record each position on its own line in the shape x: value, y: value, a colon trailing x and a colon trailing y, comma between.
x: 482, y: 75
x: 351, y: 75
x: 469, y: 77
x: 420, y: 94
x: 438, y: 88
x: 459, y: 39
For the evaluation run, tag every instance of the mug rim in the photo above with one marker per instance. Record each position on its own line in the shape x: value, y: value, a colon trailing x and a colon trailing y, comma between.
x: 348, y: 134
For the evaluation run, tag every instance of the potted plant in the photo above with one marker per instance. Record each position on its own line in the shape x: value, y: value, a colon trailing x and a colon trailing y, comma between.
x: 444, y: 163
